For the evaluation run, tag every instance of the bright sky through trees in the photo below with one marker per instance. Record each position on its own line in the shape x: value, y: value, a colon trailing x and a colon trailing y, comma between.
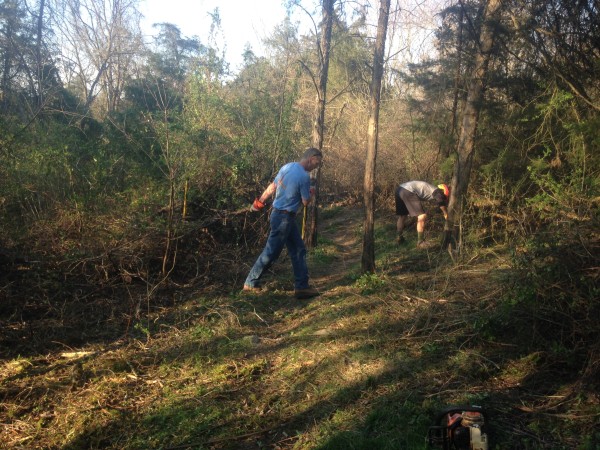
x: 242, y: 21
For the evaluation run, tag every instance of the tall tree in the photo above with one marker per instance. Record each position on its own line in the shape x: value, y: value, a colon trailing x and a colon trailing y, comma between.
x: 100, y: 40
x: 39, y: 51
x: 564, y: 37
x: 368, y: 250
x: 265, y: 93
x: 22, y: 58
x: 10, y: 25
x: 465, y: 150
x: 310, y: 230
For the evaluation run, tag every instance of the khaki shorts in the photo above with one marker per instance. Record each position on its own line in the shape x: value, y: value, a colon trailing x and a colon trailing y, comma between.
x: 407, y: 203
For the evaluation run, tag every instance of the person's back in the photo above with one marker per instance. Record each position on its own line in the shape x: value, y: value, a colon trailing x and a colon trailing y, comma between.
x: 291, y: 180
x: 421, y: 189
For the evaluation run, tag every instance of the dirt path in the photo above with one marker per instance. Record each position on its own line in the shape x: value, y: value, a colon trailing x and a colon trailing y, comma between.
x: 341, y: 231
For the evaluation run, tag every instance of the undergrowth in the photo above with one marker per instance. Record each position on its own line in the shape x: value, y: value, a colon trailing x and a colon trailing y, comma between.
x: 366, y: 365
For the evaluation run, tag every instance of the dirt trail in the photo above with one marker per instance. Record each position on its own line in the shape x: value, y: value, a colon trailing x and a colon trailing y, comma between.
x: 343, y: 231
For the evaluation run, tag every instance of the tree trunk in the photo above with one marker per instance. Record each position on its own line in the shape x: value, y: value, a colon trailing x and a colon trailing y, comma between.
x: 8, y: 54
x: 466, y: 142
x: 457, y: 90
x: 102, y: 38
x: 38, y: 54
x: 368, y: 251
x: 310, y: 230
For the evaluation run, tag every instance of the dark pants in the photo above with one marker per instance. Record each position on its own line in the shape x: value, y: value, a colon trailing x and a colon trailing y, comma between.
x: 284, y: 232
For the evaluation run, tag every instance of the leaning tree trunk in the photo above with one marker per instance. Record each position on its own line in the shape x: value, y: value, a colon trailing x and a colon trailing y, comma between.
x: 466, y: 142
x: 310, y: 228
x: 368, y: 251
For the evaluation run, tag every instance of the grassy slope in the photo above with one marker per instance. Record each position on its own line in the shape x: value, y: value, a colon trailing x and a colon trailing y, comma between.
x: 364, y: 366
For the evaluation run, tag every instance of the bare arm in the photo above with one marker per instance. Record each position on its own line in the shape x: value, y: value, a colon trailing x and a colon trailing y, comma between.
x: 268, y: 192
x: 445, y: 211
x: 259, y: 202
x: 312, y: 195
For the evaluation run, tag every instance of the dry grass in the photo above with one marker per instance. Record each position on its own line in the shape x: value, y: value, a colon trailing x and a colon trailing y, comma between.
x: 365, y: 365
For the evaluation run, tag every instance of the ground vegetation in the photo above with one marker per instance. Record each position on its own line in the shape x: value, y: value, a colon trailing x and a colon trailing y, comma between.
x: 126, y: 172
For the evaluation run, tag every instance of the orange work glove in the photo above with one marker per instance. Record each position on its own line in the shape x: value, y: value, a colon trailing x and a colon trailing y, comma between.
x: 257, y: 205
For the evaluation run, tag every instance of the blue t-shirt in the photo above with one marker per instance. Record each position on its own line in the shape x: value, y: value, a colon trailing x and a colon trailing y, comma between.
x: 293, y: 185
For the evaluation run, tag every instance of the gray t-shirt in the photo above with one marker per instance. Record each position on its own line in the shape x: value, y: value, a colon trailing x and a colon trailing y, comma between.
x: 421, y: 189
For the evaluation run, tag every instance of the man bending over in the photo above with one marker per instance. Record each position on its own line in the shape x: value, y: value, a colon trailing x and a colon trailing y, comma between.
x: 409, y: 196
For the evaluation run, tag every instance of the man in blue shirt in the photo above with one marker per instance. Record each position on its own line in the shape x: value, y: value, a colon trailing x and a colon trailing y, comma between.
x: 292, y: 190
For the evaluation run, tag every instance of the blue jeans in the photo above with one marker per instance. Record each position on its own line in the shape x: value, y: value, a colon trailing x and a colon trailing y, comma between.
x: 284, y: 231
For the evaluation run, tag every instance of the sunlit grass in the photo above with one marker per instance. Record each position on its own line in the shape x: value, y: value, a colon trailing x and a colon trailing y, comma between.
x: 365, y: 365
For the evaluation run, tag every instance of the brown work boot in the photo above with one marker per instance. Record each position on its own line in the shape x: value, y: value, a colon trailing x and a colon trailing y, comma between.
x: 251, y: 289
x: 425, y: 245
x: 308, y: 292
x: 400, y: 240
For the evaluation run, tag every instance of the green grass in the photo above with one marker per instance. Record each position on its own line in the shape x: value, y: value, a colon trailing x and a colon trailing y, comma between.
x: 322, y: 255
x: 364, y: 366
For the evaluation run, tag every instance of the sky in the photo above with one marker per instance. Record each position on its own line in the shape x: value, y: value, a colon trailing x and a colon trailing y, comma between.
x: 250, y: 21
x: 242, y: 21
